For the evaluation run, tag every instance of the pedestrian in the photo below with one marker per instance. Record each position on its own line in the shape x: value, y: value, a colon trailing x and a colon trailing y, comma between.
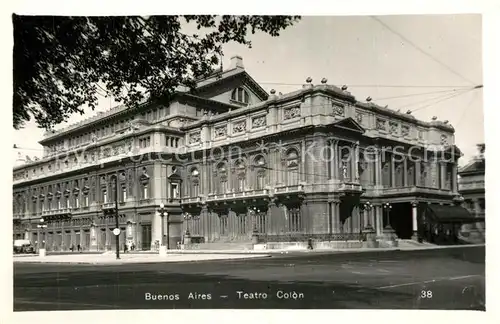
x: 132, y: 247
x: 125, y: 248
x: 72, y: 248
x: 78, y: 247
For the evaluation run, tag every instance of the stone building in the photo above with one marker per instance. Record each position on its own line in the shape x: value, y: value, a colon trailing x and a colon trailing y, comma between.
x: 471, y: 185
x: 231, y: 163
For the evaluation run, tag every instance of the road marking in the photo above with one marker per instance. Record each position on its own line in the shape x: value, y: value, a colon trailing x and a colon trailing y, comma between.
x: 427, y: 281
x: 464, y: 277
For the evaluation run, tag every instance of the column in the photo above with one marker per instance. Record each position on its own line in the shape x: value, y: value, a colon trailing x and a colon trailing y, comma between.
x: 335, y: 164
x: 155, y: 228
x: 378, y: 168
x: 414, y: 219
x: 442, y: 165
x: 205, y: 221
x: 454, y: 178
x: 405, y: 172
x: 418, y: 165
x: 393, y: 171
x: 354, y: 162
x: 336, y: 216
x: 378, y: 219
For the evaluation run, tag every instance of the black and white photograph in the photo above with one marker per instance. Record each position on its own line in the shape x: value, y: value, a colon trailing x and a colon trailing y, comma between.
x: 215, y: 161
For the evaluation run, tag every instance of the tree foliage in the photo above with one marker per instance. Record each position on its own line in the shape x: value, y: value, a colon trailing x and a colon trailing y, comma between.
x: 64, y: 63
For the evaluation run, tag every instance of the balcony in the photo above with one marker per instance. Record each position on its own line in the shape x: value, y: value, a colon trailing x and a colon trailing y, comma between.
x: 57, y: 213
x: 109, y: 206
x: 349, y: 187
x: 415, y: 190
x: 289, y: 189
x: 237, y: 195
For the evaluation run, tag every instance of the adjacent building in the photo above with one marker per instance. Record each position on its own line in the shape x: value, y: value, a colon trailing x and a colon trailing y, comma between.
x: 471, y: 185
x: 231, y: 163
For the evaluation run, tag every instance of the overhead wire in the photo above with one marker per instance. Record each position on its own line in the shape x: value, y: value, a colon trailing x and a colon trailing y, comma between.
x: 422, y: 51
x: 443, y: 99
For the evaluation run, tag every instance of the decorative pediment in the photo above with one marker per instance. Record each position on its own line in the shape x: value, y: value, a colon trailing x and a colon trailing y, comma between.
x: 349, y: 124
x: 76, y: 191
x: 85, y: 190
x: 67, y: 192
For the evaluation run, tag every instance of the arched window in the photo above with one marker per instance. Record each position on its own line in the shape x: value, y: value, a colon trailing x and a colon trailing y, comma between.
x: 260, y: 170
x: 240, y: 95
x: 240, y: 169
x: 221, y: 179
x: 195, y: 181
x: 292, y: 167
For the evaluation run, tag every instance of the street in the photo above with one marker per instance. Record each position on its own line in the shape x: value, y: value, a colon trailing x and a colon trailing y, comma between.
x: 426, y: 279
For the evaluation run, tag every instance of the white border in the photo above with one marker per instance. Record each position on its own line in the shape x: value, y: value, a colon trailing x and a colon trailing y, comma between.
x: 491, y: 54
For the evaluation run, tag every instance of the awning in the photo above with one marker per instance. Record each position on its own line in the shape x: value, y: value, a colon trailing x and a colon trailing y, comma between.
x: 451, y: 214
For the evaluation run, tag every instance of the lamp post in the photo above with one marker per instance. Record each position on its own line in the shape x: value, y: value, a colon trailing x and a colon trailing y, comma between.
x: 187, y: 235
x: 255, y: 234
x: 369, y: 231
x: 367, y: 207
x: 389, y: 233
x: 42, y: 226
x: 163, y: 213
x: 387, y: 211
x: 116, y: 230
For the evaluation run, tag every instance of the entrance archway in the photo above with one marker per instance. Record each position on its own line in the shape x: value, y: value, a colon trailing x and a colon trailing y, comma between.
x: 401, y: 220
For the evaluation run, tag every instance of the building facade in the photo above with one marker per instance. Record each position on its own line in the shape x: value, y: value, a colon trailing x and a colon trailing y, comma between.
x: 231, y: 163
x: 471, y: 185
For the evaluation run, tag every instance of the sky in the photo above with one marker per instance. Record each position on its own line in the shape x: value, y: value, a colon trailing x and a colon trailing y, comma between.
x: 420, y: 60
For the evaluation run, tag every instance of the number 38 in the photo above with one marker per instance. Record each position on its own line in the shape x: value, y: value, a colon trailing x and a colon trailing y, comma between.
x: 426, y: 294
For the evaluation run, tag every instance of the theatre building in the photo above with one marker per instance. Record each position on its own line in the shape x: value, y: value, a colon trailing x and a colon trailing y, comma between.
x: 228, y: 164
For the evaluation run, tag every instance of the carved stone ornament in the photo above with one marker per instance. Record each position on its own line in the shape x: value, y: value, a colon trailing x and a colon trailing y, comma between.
x: 405, y: 130
x: 259, y: 122
x: 338, y: 110
x: 359, y: 117
x: 380, y: 124
x: 291, y: 112
x: 221, y: 131
x: 240, y: 126
x: 194, y: 138
x: 420, y: 135
x: 444, y: 139
x: 393, y: 126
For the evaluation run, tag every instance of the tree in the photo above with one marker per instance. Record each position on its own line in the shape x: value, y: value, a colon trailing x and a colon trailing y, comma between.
x: 63, y: 63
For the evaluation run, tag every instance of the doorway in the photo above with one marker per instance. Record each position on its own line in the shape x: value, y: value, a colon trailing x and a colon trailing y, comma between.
x: 146, y: 237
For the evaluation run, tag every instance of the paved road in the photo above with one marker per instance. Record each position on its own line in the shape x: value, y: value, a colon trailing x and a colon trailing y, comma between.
x: 432, y: 279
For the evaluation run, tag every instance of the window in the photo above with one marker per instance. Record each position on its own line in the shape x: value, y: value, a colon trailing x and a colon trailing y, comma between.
x: 85, y: 201
x: 77, y: 202
x: 174, y: 190
x: 221, y: 179
x: 59, y: 203
x: 124, y: 194
x: 292, y: 159
x: 68, y: 202
x: 240, y: 95
x: 260, y: 164
x: 145, y: 192
x: 294, y: 219
x: 105, y: 196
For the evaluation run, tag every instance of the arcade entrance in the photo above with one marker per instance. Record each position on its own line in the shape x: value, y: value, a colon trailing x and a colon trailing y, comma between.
x: 400, y: 218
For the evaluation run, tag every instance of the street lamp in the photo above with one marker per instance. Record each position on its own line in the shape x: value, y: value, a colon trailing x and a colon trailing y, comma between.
x: 163, y: 213
x: 43, y: 226
x: 187, y: 217
x: 387, y: 210
x: 255, y: 234
x: 116, y: 231
x: 367, y: 206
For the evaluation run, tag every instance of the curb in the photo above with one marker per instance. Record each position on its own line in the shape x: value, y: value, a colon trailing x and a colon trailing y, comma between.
x: 139, y: 262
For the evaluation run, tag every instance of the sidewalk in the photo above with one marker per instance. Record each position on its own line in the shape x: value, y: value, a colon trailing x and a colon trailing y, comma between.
x: 205, y: 255
x: 324, y: 250
x: 110, y: 258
